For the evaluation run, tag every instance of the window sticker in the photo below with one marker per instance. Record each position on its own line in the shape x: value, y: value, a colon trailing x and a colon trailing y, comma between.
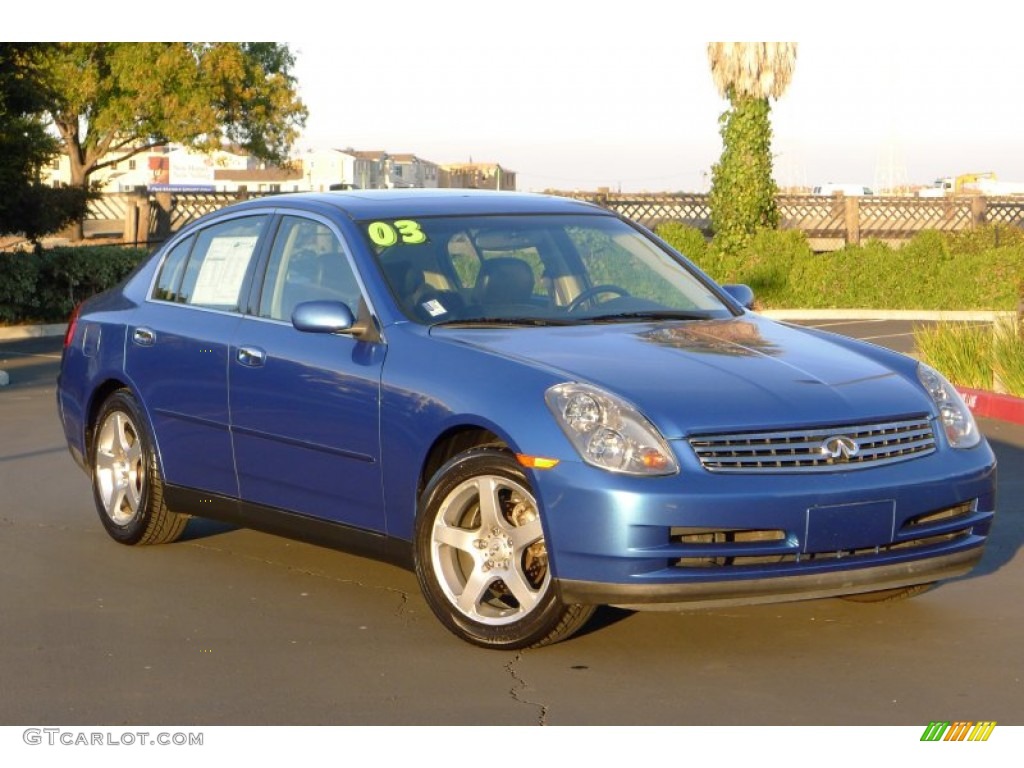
x: 220, y: 277
x: 385, y: 234
x: 434, y: 308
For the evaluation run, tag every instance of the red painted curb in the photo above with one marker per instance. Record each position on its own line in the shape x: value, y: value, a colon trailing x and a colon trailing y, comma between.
x: 993, y: 406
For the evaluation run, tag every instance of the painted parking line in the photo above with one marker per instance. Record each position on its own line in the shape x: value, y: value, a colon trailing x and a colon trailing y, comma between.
x: 884, y: 336
x: 844, y: 322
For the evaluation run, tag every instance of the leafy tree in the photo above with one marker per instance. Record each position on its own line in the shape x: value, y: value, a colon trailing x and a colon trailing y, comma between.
x: 28, y: 207
x: 110, y: 101
x: 742, y: 197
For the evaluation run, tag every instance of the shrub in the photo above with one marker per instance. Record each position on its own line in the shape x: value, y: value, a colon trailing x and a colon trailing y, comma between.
x: 44, y: 286
x: 980, y: 269
x: 688, y: 240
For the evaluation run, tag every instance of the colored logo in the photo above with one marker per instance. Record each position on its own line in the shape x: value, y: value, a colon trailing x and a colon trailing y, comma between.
x: 958, y: 731
x: 840, y: 447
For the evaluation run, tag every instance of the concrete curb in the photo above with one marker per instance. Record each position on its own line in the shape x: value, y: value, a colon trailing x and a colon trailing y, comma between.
x: 954, y: 316
x: 992, y: 405
x: 19, y: 332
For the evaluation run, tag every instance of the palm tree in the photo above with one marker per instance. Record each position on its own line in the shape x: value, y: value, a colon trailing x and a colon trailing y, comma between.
x: 742, y: 197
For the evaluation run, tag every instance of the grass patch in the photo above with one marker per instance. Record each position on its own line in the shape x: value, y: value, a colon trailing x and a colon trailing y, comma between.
x: 1008, y: 357
x: 962, y: 352
x: 976, y: 355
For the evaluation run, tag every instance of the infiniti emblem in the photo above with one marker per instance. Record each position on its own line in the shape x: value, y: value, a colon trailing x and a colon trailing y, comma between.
x: 840, y: 447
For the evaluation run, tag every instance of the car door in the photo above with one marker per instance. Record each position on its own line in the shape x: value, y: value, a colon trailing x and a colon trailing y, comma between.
x: 305, y: 406
x: 177, y: 351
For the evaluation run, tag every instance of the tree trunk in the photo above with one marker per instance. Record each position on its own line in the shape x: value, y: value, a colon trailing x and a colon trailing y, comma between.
x: 80, y: 179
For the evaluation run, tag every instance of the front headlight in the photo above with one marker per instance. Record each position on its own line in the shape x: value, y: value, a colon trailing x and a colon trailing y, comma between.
x: 957, y: 420
x: 608, y: 432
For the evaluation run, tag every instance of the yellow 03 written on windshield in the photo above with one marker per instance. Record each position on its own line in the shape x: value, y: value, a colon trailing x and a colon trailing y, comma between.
x: 386, y: 234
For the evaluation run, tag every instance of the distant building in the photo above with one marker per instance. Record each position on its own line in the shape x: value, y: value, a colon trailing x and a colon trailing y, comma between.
x: 477, y: 176
x: 406, y: 170
x: 174, y: 168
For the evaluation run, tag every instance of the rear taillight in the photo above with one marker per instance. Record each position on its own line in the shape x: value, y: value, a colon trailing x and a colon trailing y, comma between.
x: 72, y: 323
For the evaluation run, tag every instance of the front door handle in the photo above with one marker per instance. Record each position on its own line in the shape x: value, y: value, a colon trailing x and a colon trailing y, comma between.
x: 253, y: 357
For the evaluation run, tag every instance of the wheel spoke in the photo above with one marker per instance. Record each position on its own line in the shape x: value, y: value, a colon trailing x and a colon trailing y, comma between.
x: 133, y: 455
x: 105, y: 460
x: 525, y: 535
x: 515, y: 580
x: 490, y: 506
x: 117, y: 494
x: 455, y: 537
x: 132, y: 492
x: 125, y: 434
x: 474, y: 591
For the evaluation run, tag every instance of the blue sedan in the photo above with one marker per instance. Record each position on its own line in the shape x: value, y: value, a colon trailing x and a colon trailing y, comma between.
x: 536, y: 404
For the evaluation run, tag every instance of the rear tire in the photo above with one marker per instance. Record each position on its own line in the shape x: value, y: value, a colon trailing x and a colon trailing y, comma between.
x: 126, y: 482
x: 481, y: 558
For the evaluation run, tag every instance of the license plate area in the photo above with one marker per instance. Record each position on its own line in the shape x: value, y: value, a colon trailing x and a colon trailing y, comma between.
x: 859, y: 525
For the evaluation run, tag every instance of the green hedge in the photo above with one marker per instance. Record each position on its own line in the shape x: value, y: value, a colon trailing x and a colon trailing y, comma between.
x: 977, y: 269
x: 44, y: 286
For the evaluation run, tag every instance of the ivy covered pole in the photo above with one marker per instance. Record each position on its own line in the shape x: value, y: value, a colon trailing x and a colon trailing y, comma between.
x: 742, y: 197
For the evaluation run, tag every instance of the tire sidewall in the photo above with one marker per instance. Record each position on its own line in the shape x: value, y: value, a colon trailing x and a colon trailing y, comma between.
x: 528, y: 630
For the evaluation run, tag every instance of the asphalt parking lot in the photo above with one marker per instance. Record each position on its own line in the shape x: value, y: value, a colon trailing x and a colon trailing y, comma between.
x: 230, y: 626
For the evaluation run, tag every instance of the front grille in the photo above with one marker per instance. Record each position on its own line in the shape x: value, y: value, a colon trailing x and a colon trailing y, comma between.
x: 825, y: 449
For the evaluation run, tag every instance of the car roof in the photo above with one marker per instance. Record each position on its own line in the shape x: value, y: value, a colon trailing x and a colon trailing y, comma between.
x: 384, y: 203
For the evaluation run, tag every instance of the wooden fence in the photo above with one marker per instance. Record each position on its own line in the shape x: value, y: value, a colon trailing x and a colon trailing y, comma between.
x: 829, y: 222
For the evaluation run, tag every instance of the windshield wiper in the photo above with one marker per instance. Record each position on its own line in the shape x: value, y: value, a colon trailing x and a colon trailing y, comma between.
x: 504, y: 322
x: 656, y: 314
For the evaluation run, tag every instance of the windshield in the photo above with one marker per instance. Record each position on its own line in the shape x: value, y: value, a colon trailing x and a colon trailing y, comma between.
x: 534, y: 270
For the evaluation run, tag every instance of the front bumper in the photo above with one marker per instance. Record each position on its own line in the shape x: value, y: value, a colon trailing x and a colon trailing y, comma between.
x: 715, y: 594
x: 700, y: 538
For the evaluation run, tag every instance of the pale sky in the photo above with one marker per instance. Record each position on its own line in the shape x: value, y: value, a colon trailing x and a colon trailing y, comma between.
x: 577, y: 94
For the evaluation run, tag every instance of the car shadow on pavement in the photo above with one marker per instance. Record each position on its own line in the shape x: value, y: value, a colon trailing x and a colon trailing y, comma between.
x: 1007, y: 535
x: 604, y: 616
x: 202, y: 528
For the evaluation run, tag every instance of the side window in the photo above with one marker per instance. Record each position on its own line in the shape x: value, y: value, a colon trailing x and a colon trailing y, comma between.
x: 219, y: 263
x: 168, y: 282
x: 307, y: 263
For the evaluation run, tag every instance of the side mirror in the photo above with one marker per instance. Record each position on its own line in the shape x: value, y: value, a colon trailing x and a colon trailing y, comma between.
x: 741, y: 294
x: 323, y: 317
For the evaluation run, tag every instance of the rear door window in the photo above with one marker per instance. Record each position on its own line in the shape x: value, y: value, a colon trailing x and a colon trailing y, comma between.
x: 218, y: 267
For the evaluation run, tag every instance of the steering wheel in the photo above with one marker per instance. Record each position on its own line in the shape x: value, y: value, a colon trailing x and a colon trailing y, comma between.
x: 593, y: 292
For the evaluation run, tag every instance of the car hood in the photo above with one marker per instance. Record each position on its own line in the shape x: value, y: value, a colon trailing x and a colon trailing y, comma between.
x: 745, y: 373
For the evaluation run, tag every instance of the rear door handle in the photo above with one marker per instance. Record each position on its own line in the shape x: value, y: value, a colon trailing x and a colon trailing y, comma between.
x: 253, y: 357
x: 144, y: 337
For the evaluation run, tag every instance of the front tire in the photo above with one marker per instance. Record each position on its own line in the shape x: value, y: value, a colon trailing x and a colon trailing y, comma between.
x: 481, y: 558
x: 126, y: 482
